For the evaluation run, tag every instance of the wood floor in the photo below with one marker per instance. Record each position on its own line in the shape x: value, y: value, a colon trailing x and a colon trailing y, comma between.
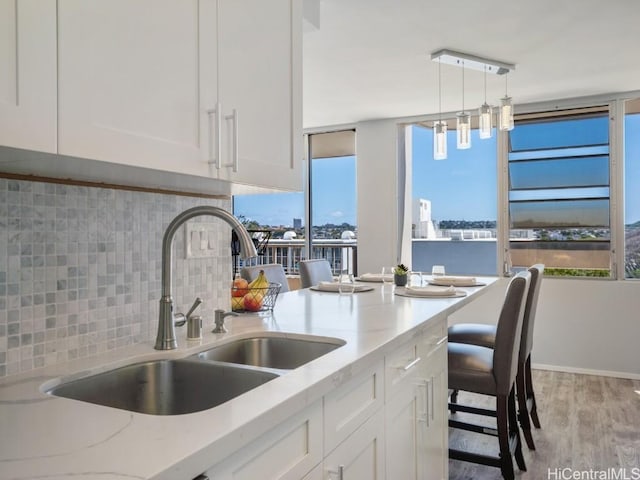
x: 588, y: 423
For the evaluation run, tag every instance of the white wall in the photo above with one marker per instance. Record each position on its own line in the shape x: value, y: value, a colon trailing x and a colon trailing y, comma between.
x: 376, y: 178
x: 585, y: 325
x: 589, y: 326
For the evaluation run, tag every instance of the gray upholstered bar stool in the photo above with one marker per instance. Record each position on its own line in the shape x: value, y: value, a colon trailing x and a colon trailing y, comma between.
x: 492, y: 371
x: 273, y: 271
x: 312, y: 272
x: 484, y: 335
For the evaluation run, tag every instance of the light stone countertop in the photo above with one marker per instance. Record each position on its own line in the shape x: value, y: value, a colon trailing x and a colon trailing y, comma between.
x: 46, y: 437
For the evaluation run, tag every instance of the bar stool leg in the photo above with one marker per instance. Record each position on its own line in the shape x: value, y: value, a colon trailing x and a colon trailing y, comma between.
x: 453, y: 399
x: 506, y: 463
x: 523, y: 411
x: 514, y: 431
x: 530, y: 395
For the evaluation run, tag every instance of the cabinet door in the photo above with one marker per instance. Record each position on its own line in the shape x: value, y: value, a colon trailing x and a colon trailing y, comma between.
x: 435, y: 464
x: 130, y: 77
x: 403, y: 416
x: 435, y: 443
x: 28, y: 74
x: 361, y: 455
x: 259, y: 90
x: 288, y: 452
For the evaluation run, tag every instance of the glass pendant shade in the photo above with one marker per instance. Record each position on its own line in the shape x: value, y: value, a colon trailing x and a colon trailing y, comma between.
x: 485, y: 115
x: 463, y: 130
x: 506, y: 114
x: 439, y: 140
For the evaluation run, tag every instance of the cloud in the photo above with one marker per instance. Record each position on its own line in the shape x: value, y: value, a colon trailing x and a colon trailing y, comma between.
x: 336, y: 214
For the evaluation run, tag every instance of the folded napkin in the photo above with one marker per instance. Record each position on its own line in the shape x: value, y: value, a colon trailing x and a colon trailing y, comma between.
x: 455, y: 281
x: 334, y: 287
x: 431, y: 291
x: 375, y: 277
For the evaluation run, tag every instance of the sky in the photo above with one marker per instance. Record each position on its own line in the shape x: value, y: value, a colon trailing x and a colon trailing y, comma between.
x: 462, y: 187
x: 334, y: 197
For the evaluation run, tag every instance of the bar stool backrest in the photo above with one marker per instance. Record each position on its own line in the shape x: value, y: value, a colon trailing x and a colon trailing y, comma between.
x: 509, y: 332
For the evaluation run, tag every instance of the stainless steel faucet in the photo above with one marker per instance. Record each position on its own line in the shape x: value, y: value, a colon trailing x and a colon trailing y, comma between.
x: 166, y: 338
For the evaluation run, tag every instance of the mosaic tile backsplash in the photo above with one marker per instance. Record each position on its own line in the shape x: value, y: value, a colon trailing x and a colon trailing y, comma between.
x: 80, y: 269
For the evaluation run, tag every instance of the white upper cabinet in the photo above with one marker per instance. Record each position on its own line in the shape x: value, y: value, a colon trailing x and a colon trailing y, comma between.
x: 202, y: 87
x: 260, y: 92
x: 28, y: 74
x: 129, y: 82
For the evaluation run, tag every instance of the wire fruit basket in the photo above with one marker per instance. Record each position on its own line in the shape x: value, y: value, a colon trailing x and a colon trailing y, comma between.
x: 254, y: 299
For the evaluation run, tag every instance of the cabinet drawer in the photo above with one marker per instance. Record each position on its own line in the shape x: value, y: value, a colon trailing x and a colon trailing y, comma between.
x: 347, y: 407
x: 287, y: 452
x: 402, y: 368
x: 432, y: 336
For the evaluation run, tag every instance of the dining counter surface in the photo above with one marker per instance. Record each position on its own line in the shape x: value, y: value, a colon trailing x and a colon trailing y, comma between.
x: 48, y: 437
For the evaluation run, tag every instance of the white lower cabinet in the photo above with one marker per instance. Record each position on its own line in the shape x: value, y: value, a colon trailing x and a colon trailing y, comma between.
x: 415, y: 407
x: 288, y: 452
x: 385, y: 422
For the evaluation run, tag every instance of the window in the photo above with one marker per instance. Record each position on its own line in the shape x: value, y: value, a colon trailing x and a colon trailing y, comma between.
x: 559, y: 192
x: 454, y: 207
x: 632, y: 180
x: 333, y: 209
x: 331, y: 185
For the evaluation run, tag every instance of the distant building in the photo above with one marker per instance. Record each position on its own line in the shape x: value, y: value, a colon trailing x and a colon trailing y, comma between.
x: 421, y: 219
x: 297, y: 223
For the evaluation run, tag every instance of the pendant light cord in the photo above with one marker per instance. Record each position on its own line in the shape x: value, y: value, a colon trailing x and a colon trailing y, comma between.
x: 462, y: 87
x: 439, y: 90
x: 485, y: 84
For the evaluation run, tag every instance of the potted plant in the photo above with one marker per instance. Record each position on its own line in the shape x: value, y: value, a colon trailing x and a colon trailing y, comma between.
x: 400, y: 273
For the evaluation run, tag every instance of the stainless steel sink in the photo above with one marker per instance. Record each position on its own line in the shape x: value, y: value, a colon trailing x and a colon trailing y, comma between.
x: 271, y: 352
x: 165, y: 387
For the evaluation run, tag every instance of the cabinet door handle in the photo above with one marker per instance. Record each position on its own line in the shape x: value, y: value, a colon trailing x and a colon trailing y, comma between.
x: 215, y: 136
x: 432, y: 407
x: 234, y: 146
x: 423, y: 417
x: 411, y: 364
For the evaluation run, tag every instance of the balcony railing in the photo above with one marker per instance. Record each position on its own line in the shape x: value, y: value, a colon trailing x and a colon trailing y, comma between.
x: 341, y: 254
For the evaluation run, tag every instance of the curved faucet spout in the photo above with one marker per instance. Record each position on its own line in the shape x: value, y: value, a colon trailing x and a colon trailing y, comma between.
x: 166, y: 338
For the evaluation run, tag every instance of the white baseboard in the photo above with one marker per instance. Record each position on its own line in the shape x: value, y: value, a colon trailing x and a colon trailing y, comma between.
x: 586, y: 371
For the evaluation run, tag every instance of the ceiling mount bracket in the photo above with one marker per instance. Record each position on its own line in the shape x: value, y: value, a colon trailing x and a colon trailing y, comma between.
x: 459, y: 59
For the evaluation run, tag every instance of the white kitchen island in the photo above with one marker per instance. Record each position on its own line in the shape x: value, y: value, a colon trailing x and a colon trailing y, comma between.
x: 376, y: 405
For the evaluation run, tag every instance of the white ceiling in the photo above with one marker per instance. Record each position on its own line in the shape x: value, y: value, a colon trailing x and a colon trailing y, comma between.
x: 370, y: 59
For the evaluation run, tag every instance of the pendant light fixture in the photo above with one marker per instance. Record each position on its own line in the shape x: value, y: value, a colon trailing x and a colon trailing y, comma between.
x: 463, y: 126
x: 485, y: 114
x: 439, y: 126
x: 486, y: 65
x: 506, y: 109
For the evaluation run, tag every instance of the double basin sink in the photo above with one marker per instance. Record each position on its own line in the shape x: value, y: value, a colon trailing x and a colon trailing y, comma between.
x: 198, y: 382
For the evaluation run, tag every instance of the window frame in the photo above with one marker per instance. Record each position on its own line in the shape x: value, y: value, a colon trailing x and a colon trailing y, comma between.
x: 615, y: 105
